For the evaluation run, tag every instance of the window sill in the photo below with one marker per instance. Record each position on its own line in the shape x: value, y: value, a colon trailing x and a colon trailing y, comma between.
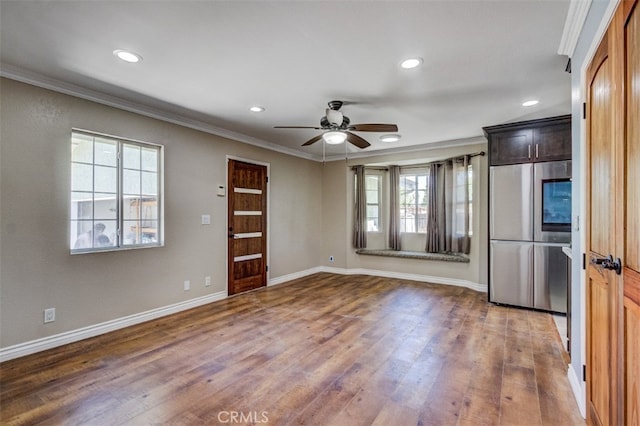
x: 444, y: 257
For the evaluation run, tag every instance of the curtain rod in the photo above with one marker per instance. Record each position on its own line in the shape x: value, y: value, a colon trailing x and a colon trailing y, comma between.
x: 411, y: 166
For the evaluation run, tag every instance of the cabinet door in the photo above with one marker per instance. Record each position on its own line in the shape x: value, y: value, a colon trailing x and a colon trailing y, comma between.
x: 552, y: 143
x: 511, y: 147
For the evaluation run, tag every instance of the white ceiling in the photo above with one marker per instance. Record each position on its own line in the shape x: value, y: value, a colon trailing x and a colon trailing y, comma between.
x: 209, y: 61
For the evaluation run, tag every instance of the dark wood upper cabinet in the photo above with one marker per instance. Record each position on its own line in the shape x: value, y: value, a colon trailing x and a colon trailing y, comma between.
x: 546, y: 139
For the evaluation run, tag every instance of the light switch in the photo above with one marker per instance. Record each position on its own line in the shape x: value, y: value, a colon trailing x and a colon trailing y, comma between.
x: 206, y: 219
x: 221, y: 191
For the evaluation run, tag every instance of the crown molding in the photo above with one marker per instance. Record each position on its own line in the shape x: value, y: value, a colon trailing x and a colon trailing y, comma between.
x: 577, y: 14
x: 35, y: 79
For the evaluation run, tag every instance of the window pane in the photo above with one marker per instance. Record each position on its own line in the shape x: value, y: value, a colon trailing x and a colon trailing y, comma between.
x: 136, y: 232
x: 372, y: 197
x: 105, y: 206
x: 81, y: 205
x: 421, y: 219
x: 131, y: 182
x: 106, y: 179
x: 81, y: 177
x: 80, y: 234
x: 136, y: 208
x: 82, y: 148
x: 131, y: 208
x: 372, y: 211
x: 423, y: 198
x: 149, y: 209
x: 108, y: 237
x: 149, y: 183
x: 422, y: 182
x: 131, y: 156
x: 372, y: 182
x: 85, y: 235
x: 106, y: 152
x: 150, y: 159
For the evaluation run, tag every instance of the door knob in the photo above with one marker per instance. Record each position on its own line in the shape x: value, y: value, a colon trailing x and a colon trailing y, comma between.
x: 608, y: 263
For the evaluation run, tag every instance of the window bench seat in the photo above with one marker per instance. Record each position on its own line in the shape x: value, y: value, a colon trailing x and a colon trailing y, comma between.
x: 445, y: 257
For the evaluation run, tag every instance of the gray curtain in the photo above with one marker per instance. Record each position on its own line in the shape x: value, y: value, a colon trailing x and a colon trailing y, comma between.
x: 433, y: 234
x: 394, y: 208
x: 448, y: 222
x: 360, y: 210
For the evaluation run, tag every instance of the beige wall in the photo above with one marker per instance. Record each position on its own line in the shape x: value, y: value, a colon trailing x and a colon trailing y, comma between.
x: 36, y: 269
x: 341, y: 179
x: 310, y: 218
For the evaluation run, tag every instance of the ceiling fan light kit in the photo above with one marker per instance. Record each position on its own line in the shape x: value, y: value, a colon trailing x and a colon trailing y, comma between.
x: 334, y: 138
x: 338, y: 128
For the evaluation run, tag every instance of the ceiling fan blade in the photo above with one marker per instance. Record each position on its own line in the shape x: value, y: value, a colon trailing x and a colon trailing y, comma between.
x: 357, y: 140
x: 297, y: 127
x: 374, y: 127
x: 312, y: 140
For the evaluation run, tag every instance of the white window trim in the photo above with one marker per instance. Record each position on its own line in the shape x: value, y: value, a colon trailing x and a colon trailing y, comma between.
x: 161, y: 215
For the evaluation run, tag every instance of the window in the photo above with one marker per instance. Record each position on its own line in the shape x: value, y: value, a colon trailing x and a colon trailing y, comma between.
x: 115, y: 193
x: 413, y: 202
x: 372, y: 187
x: 460, y: 196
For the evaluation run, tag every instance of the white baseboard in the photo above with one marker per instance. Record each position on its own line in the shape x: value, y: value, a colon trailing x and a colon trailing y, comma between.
x: 404, y: 276
x: 56, y: 340
x: 387, y: 274
x: 289, y: 277
x: 578, y: 390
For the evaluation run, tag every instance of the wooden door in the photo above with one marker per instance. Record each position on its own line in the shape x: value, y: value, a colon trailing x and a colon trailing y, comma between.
x: 247, y: 226
x: 602, y: 290
x: 631, y: 207
x: 613, y: 234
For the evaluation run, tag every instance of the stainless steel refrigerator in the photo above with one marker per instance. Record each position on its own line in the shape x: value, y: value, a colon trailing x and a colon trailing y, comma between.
x: 530, y: 222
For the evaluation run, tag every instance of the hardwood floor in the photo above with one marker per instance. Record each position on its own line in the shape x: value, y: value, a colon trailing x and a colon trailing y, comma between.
x: 325, y: 350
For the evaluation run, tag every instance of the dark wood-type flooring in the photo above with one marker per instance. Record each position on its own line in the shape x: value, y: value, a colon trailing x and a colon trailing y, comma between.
x: 325, y: 349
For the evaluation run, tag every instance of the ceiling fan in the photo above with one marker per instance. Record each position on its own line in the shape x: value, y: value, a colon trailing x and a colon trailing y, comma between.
x: 338, y: 128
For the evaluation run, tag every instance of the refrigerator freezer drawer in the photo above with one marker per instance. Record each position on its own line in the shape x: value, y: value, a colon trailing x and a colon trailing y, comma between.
x: 550, y: 272
x: 511, y: 202
x: 512, y: 273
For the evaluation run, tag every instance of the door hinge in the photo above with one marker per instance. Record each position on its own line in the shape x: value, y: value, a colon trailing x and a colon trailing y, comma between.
x: 267, y: 179
x: 584, y: 261
x: 584, y: 373
x: 266, y: 268
x: 584, y: 110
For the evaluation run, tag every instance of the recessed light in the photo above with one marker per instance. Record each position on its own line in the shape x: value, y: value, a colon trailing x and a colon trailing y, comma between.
x: 529, y: 103
x: 127, y: 56
x: 411, y: 63
x: 390, y: 138
x: 256, y: 108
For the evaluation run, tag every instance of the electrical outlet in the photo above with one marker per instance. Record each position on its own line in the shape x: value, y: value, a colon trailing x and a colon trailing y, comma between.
x: 49, y: 315
x: 207, y: 281
x: 187, y: 285
x: 331, y: 259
